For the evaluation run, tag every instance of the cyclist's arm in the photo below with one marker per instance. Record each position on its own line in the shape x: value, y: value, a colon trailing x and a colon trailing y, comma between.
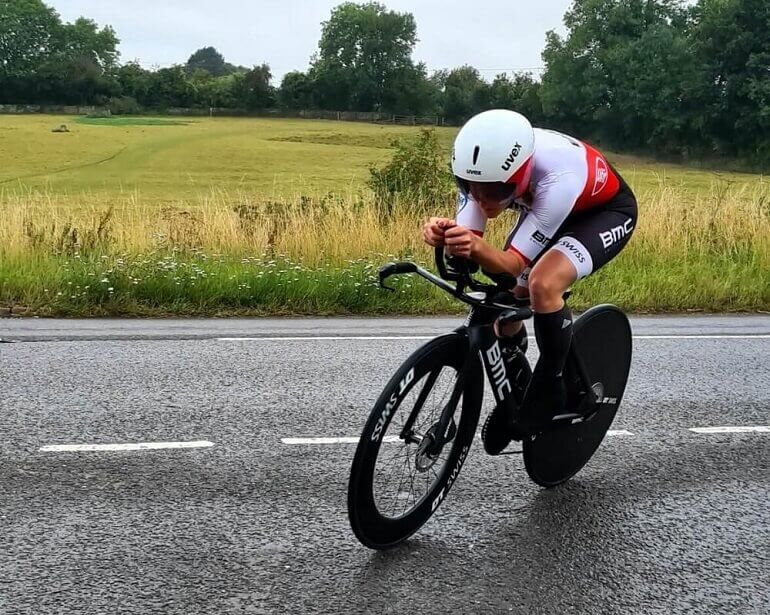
x: 552, y: 202
x: 470, y: 215
x: 496, y: 261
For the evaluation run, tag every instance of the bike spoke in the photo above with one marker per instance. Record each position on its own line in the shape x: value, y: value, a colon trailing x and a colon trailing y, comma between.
x: 398, y: 489
x: 427, y: 387
x: 414, y: 419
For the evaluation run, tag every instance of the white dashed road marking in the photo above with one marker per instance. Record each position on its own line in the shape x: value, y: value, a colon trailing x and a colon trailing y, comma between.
x: 136, y: 446
x: 325, y: 338
x: 345, y: 440
x: 616, y: 432
x: 737, y: 429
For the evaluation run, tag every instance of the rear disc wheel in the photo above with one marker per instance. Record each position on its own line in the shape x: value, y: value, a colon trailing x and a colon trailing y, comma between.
x: 602, y: 337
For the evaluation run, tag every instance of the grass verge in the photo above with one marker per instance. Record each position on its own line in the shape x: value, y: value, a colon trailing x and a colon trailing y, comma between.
x: 230, y: 253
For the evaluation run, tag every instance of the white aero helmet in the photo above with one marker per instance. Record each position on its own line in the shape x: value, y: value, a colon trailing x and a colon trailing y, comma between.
x: 493, y: 150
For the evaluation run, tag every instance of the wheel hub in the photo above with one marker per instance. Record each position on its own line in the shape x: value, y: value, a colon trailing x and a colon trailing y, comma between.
x: 426, y: 457
x: 429, y: 449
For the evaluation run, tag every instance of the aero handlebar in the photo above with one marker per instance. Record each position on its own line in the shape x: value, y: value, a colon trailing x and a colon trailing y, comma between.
x: 458, y: 271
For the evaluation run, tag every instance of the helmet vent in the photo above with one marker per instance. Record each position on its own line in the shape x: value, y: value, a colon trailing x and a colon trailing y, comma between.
x: 475, y: 154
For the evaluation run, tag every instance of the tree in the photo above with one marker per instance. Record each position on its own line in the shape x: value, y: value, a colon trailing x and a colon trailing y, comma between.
x: 80, y: 69
x: 224, y: 90
x: 84, y: 40
x: 522, y: 94
x: 170, y: 87
x: 732, y: 42
x: 254, y: 90
x: 623, y: 72
x: 209, y: 60
x: 363, y: 51
x: 43, y: 60
x: 411, y: 91
x: 296, y: 91
x: 135, y: 82
x: 217, y: 91
x: 465, y: 94
x: 30, y: 31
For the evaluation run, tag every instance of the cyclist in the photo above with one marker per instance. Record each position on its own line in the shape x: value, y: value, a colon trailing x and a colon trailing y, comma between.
x: 576, y: 214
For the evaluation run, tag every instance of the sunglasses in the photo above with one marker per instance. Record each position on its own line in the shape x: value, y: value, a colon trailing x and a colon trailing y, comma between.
x: 496, y: 192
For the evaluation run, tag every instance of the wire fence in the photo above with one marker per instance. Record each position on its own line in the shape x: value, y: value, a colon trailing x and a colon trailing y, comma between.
x: 313, y: 114
x: 413, y: 120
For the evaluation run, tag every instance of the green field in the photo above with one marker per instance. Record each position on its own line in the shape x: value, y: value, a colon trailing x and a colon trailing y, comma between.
x: 185, y: 159
x: 142, y: 216
x: 168, y: 160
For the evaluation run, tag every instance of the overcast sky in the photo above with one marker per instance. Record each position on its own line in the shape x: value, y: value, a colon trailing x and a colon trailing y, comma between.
x: 492, y: 35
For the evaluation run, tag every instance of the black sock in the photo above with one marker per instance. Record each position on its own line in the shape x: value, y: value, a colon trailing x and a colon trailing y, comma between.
x: 553, y: 332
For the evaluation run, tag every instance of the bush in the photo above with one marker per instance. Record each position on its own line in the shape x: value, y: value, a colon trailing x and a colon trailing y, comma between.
x: 417, y: 175
x: 124, y: 105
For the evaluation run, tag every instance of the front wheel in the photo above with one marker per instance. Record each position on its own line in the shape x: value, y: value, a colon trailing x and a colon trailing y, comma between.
x: 399, y: 474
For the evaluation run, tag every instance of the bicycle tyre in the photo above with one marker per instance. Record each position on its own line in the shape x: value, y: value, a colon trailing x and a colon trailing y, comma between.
x: 373, y: 527
x: 602, y: 335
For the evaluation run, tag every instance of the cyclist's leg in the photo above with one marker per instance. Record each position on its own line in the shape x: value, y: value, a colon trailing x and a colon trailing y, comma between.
x: 583, y: 245
x: 546, y: 395
x: 516, y: 332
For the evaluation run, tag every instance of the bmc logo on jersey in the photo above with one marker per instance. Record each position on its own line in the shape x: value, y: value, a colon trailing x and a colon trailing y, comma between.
x: 538, y: 237
x: 601, y: 176
x: 616, y: 233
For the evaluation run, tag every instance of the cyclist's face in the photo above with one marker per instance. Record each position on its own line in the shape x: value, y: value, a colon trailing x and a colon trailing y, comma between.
x: 491, y: 209
x: 493, y: 199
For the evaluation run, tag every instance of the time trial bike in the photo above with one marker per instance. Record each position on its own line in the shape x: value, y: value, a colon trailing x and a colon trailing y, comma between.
x: 421, y: 428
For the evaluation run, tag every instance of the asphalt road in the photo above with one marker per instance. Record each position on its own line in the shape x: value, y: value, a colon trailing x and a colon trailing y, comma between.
x: 664, y: 520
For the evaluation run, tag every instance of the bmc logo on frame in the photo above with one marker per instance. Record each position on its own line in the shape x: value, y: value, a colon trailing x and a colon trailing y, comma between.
x: 616, y: 233
x: 497, y: 367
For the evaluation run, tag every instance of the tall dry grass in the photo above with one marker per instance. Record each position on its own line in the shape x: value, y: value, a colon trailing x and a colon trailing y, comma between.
x: 314, y: 231
x: 710, y: 249
x: 335, y: 229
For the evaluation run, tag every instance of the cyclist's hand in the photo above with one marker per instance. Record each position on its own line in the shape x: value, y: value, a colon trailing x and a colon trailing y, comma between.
x: 459, y: 241
x: 434, y: 229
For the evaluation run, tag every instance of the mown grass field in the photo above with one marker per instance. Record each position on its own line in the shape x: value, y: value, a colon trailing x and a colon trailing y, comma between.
x: 153, y: 216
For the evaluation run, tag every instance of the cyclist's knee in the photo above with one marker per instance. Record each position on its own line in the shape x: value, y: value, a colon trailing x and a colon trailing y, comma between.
x: 545, y: 291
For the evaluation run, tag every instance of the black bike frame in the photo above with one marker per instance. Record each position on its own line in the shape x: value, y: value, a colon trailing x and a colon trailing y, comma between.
x: 482, y: 342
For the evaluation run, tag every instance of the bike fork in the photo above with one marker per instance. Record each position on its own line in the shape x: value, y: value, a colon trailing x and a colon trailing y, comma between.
x: 481, y: 341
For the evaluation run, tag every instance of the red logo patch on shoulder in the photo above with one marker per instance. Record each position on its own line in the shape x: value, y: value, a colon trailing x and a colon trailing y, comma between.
x: 601, y: 176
